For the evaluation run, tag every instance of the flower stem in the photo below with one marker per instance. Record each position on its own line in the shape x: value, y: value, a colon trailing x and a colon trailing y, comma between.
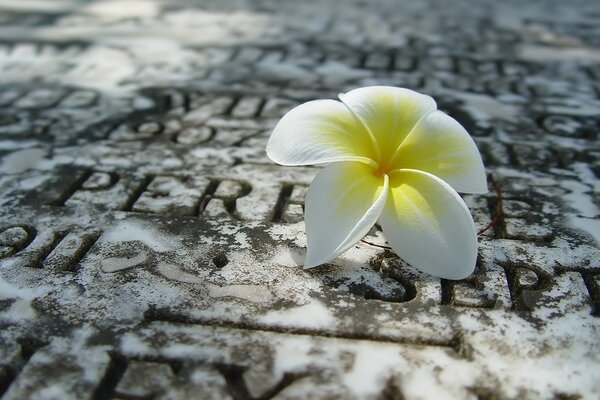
x: 376, y: 245
x: 498, y: 214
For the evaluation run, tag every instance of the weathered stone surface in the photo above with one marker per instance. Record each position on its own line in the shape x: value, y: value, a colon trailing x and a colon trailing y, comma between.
x: 150, y: 249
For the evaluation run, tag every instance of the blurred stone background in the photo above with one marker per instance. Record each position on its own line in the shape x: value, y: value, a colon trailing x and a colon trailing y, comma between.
x: 149, y: 248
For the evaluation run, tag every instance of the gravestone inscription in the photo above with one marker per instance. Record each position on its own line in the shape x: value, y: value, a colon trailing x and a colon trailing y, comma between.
x: 150, y: 249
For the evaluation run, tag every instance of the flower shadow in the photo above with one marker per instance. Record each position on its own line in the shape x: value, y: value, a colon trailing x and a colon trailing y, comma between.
x: 368, y: 281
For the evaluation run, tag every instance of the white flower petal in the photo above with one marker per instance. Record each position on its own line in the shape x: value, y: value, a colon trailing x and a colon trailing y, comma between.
x: 428, y: 225
x: 342, y: 204
x: 317, y: 132
x: 390, y: 113
x: 438, y: 144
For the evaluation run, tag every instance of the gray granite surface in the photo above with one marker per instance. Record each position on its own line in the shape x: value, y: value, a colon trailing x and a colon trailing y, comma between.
x: 150, y: 250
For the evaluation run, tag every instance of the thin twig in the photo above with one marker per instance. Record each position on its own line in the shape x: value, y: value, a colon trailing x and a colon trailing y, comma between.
x: 376, y: 245
x: 498, y: 211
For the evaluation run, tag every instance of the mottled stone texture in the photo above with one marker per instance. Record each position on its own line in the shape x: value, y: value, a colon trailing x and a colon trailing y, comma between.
x: 149, y: 249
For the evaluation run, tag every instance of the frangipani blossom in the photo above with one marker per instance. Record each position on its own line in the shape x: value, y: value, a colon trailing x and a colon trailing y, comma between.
x: 394, y: 158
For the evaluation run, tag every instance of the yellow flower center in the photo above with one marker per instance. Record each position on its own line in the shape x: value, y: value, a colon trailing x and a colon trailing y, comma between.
x: 383, y: 164
x: 380, y: 170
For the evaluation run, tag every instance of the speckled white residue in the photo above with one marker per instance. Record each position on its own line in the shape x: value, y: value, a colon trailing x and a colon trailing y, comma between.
x: 536, y: 53
x: 22, y: 160
x: 294, y: 232
x: 335, y: 73
x: 366, y: 367
x: 252, y: 293
x: 15, y: 145
x: 21, y: 308
x: 282, y: 281
x: 189, y: 351
x: 580, y: 198
x: 272, y: 71
x: 312, y: 315
x: 37, y: 5
x: 242, y: 239
x: 55, y: 391
x: 371, y: 369
x: 590, y: 226
x: 291, y: 353
x: 569, y: 297
x: 132, y: 41
x: 32, y: 182
x: 172, y: 163
x: 211, y: 156
x: 484, y: 108
x: 133, y: 344
x: 129, y: 231
x: 114, y: 264
x: 559, y: 352
x: 289, y: 258
x: 118, y: 9
x: 175, y: 273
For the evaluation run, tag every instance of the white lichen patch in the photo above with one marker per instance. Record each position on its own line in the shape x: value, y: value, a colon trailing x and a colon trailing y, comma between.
x: 146, y: 234
x: 115, y: 264
x: 252, y: 293
x: 311, y: 315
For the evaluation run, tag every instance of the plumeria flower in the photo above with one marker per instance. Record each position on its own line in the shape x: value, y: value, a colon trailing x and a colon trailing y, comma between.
x: 392, y: 158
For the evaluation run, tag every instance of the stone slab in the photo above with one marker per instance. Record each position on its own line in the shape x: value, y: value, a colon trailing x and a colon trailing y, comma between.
x: 150, y: 249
